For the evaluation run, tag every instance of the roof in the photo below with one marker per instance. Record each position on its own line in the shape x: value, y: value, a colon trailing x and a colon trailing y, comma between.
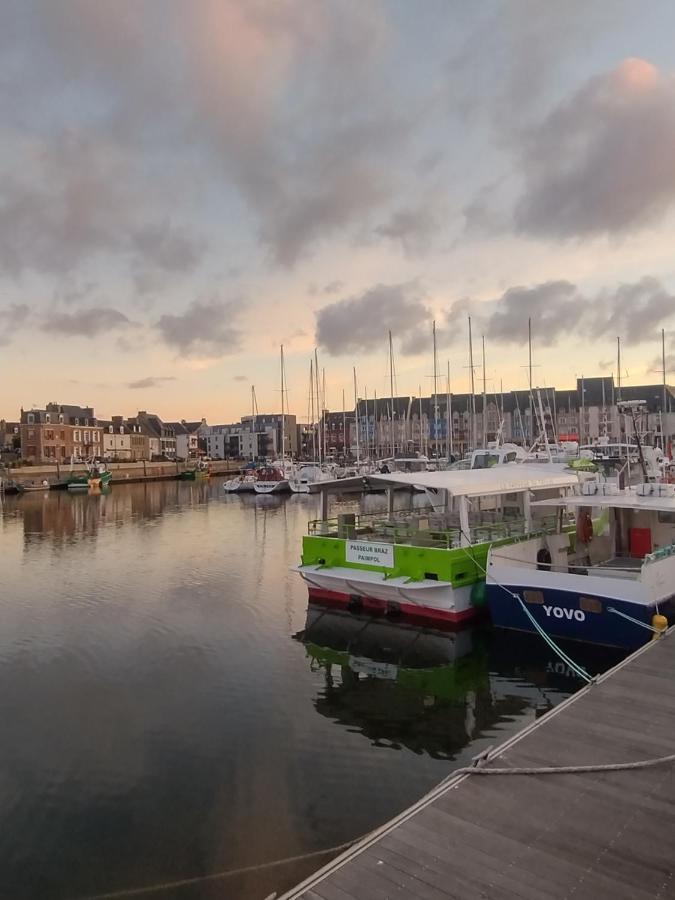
x: 501, y: 479
x: 624, y: 500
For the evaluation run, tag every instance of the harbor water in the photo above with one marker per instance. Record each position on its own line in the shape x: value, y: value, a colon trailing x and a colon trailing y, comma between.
x: 173, y: 707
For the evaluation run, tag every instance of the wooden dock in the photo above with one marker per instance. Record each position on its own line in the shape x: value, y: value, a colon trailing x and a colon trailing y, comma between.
x: 593, y: 835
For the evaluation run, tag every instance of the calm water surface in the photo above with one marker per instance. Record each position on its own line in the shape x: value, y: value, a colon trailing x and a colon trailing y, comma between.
x: 172, y: 707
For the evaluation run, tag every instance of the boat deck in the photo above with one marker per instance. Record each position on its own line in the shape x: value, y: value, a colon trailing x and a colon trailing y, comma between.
x: 589, y: 835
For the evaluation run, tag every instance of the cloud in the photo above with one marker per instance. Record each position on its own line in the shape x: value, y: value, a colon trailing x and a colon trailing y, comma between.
x: 560, y: 309
x: 635, y: 311
x: 85, y: 322
x: 602, y: 161
x: 333, y: 287
x: 361, y: 323
x: 11, y: 319
x: 160, y: 251
x: 150, y: 382
x: 204, y: 329
x: 413, y: 228
x: 240, y: 378
x: 554, y: 306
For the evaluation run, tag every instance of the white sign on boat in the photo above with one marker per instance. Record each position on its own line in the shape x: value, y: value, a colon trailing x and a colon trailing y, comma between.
x: 370, y: 554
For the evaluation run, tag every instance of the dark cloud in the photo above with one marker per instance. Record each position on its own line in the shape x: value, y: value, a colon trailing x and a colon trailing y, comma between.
x: 230, y: 110
x: 85, y: 322
x: 414, y: 229
x: 634, y: 311
x: 602, y: 161
x: 333, y: 287
x: 150, y: 382
x: 11, y: 319
x: 361, y: 323
x: 165, y: 248
x: 206, y: 328
x: 554, y: 306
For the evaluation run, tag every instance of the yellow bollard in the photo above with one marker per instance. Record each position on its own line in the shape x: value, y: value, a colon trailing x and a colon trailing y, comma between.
x: 661, y: 624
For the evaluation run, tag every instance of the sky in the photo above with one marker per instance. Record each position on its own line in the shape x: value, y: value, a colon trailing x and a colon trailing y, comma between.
x: 184, y: 187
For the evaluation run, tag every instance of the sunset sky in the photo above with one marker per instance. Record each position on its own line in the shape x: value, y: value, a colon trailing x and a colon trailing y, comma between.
x: 184, y: 186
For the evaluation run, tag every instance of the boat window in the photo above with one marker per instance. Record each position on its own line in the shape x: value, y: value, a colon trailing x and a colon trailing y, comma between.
x: 590, y: 604
x: 666, y: 518
x: 533, y: 596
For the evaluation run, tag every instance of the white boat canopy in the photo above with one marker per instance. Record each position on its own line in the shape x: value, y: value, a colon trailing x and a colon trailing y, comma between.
x: 628, y: 500
x: 509, y: 478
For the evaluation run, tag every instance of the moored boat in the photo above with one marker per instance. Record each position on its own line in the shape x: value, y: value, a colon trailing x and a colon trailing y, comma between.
x: 429, y: 563
x: 195, y: 473
x: 601, y: 582
x: 97, y: 476
x: 271, y: 480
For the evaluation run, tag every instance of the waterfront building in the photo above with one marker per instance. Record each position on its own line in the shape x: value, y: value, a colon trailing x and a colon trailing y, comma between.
x: 161, y: 436
x: 586, y: 414
x: 116, y: 439
x: 10, y: 435
x: 59, y: 433
x: 270, y: 425
x: 187, y: 437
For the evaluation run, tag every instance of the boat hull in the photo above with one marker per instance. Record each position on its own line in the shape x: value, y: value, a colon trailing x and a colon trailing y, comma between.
x: 241, y: 487
x: 271, y: 487
x: 558, y: 611
x: 422, y: 601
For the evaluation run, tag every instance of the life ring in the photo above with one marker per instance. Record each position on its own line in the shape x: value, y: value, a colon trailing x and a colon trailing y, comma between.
x: 584, y: 528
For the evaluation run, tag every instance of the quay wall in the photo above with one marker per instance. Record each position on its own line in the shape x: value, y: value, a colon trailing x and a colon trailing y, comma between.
x: 122, y: 472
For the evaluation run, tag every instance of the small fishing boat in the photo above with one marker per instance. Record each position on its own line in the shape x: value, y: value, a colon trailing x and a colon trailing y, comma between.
x: 201, y: 470
x: 601, y: 582
x: 96, y: 476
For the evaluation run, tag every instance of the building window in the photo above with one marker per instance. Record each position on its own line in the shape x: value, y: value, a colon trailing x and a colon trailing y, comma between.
x: 110, y: 429
x: 48, y: 418
x: 61, y: 419
x: 87, y: 437
x: 77, y: 421
x: 76, y: 437
x: 31, y: 432
x: 31, y: 419
x: 95, y: 436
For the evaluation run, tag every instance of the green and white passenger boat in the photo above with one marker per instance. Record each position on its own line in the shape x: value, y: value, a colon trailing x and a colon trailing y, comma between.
x: 429, y: 563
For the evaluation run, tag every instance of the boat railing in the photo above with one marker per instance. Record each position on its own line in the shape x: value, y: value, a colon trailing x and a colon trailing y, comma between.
x: 608, y: 568
x: 661, y: 553
x: 423, y: 530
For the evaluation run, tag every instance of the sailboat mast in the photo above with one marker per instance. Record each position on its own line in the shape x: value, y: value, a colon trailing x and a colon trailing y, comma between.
x: 391, y: 393
x: 436, y: 428
x: 283, y: 416
x: 311, y: 403
x: 323, y: 409
x: 473, y: 391
x: 376, y: 439
x: 356, y: 419
x: 254, y: 441
x: 318, y: 413
x: 367, y: 428
x: 344, y: 425
x: 663, y: 401
x: 529, y: 368
x: 484, y: 398
x: 448, y: 409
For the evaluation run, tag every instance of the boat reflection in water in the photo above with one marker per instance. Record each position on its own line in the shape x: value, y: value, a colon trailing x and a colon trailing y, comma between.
x: 432, y: 691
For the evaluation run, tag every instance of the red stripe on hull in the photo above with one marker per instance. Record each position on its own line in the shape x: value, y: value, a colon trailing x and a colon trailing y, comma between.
x: 409, y: 610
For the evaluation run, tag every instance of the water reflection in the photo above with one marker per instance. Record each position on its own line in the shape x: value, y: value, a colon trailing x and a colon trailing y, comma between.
x: 159, y: 721
x: 431, y: 691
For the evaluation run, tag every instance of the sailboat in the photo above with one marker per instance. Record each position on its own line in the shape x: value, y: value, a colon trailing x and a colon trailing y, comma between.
x: 245, y: 481
x: 274, y: 479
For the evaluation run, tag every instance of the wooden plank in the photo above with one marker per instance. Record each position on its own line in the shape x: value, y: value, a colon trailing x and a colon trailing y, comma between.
x: 536, y: 837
